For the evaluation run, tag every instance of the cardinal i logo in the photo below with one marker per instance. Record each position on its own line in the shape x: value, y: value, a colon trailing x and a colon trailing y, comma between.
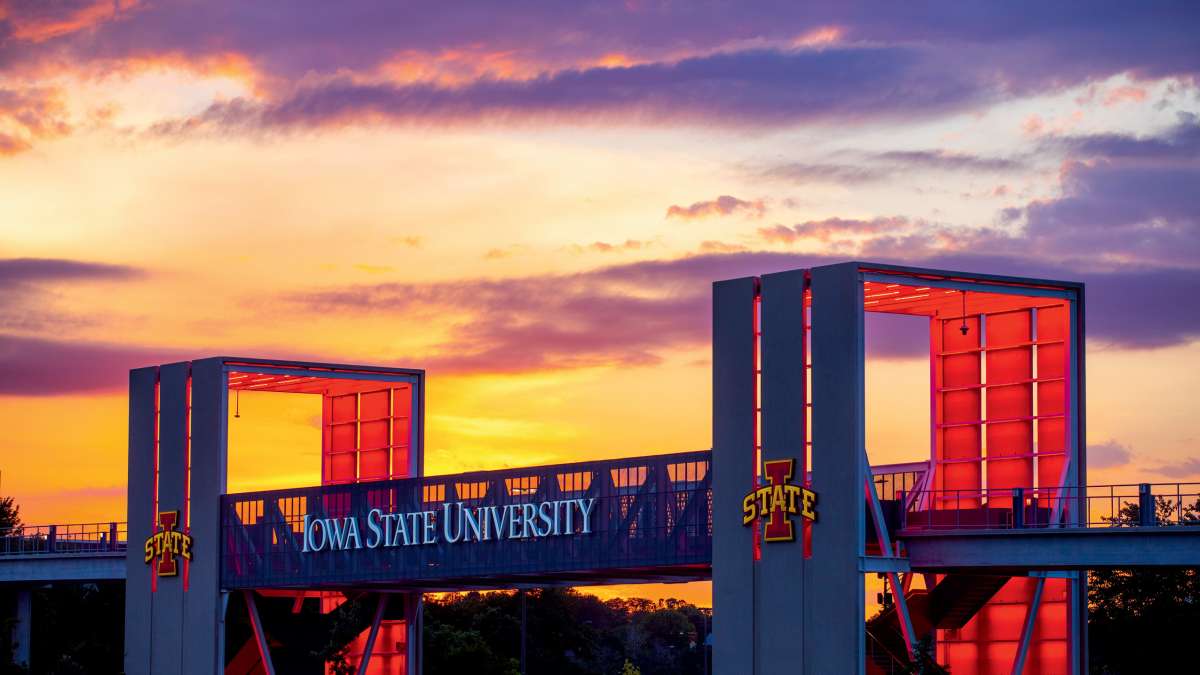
x: 779, y: 502
x: 167, y: 543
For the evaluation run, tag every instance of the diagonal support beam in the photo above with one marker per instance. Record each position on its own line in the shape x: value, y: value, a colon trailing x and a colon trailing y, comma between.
x: 370, y: 647
x: 264, y: 650
x: 885, y: 545
x: 1027, y: 629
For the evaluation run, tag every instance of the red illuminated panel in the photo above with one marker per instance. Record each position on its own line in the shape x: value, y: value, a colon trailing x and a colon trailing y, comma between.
x: 957, y: 414
x: 402, y: 431
x: 373, y: 443
x: 987, y: 644
x: 1053, y: 328
x: 391, y: 644
x: 1009, y: 398
x: 367, y: 435
x: 387, y: 658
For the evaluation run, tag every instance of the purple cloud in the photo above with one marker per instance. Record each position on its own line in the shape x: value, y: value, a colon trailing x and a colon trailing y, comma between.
x: 826, y: 230
x: 33, y: 366
x: 594, y: 318
x: 33, y: 270
x: 23, y: 293
x: 873, y: 167
x: 1125, y: 198
x: 27, y: 114
x: 721, y: 206
x: 1030, y: 44
x: 747, y: 88
x: 1108, y: 455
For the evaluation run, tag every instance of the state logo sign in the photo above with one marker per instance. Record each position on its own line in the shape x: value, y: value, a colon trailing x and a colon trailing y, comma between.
x: 779, y: 501
x: 167, y: 543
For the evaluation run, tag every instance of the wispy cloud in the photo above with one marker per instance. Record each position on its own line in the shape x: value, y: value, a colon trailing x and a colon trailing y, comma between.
x: 30, y: 114
x: 724, y: 205
x: 831, y: 228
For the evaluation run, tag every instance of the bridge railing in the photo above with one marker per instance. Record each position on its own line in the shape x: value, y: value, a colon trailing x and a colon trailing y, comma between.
x: 649, y: 517
x: 64, y: 539
x: 1091, y: 506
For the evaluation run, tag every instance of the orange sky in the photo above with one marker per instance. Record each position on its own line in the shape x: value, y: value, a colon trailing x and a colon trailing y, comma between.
x: 535, y: 218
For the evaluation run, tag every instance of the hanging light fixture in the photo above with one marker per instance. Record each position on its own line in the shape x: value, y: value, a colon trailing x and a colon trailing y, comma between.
x: 237, y: 403
x: 963, y: 328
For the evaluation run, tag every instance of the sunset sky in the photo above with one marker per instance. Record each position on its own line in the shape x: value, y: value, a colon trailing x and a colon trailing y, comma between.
x: 530, y: 200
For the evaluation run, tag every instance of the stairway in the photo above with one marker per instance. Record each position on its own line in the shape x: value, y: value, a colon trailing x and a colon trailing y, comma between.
x: 958, y: 597
x: 885, y: 643
x: 951, y: 604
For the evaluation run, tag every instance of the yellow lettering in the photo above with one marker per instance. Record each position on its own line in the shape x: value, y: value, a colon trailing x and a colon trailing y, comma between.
x: 778, y: 501
x: 149, y: 548
x: 748, y: 511
x: 793, y: 492
x: 186, y: 550
x: 810, y: 502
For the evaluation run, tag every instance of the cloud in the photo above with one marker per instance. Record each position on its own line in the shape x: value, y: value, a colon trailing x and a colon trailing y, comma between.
x: 1124, y: 198
x: 721, y: 206
x: 1179, y: 142
x: 774, y: 65
x: 713, y: 246
x: 869, y: 167
x: 1108, y: 455
x: 36, y: 366
x: 826, y: 230
x: 742, y: 89
x: 34, y: 270
x: 30, y: 114
x: 1189, y: 466
x: 636, y: 314
x: 26, y: 297
x: 943, y: 160
x: 801, y: 172
x: 605, y: 247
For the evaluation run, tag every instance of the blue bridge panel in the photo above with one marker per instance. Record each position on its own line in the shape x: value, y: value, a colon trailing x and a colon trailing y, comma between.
x: 622, y: 520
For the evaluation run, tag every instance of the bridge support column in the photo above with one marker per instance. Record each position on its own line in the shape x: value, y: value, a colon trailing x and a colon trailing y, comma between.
x: 22, y: 630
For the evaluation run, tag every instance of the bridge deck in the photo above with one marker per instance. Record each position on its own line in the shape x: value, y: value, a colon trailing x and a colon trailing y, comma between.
x: 1053, y: 549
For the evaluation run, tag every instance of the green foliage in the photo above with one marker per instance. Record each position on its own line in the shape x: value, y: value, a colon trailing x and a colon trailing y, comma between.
x: 925, y: 659
x: 10, y: 514
x: 568, y: 633
x: 345, y: 624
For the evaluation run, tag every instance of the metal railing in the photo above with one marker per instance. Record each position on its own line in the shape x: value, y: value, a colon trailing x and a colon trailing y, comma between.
x: 1089, y: 506
x: 65, y: 539
x: 649, y: 514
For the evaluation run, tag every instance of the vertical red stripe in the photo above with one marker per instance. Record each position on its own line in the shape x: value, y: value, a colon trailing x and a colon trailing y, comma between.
x: 757, y: 328
x: 154, y: 516
x: 187, y: 476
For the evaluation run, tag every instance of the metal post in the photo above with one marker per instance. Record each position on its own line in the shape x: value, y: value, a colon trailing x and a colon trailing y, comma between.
x: 260, y: 637
x: 521, y: 594
x: 1146, y: 514
x: 1018, y: 506
x: 22, y: 630
x: 370, y: 647
x: 52, y: 539
x: 112, y: 536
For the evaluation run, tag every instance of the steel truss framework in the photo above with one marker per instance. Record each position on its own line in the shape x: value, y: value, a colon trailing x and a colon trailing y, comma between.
x: 652, y: 521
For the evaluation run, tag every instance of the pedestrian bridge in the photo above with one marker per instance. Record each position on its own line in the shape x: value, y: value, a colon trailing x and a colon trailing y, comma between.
x: 66, y: 552
x: 1009, y: 531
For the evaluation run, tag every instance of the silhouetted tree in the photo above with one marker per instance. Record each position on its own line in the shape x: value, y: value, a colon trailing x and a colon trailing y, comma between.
x: 10, y: 514
x: 1144, y: 620
x: 567, y: 632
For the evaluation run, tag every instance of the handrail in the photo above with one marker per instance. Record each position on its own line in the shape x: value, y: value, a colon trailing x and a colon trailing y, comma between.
x: 64, y: 539
x: 1088, y: 506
